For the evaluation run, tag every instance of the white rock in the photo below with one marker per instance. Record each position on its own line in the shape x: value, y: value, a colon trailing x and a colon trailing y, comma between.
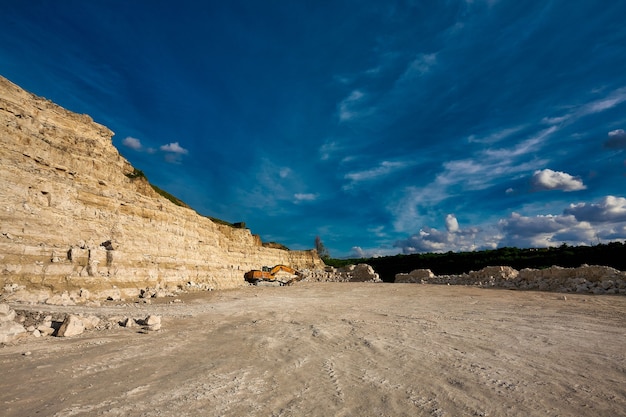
x: 127, y: 322
x: 6, y: 314
x: 152, y: 322
x: 71, y: 326
x: 10, y: 330
x: 90, y: 322
x: 45, y: 330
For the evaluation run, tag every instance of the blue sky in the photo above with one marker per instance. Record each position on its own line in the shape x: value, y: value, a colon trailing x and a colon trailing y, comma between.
x: 383, y: 127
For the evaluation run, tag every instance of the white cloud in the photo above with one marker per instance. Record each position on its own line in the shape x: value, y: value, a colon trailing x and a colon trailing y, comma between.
x: 496, y: 136
x: 328, y: 150
x: 617, y: 139
x: 351, y: 107
x: 452, y: 224
x: 359, y: 252
x: 383, y: 169
x: 610, y: 209
x: 579, y: 224
x: 301, y: 197
x: 174, y: 147
x: 523, y: 148
x: 420, y: 66
x: 429, y: 239
x: 132, y: 143
x: 523, y: 231
x: 547, y: 179
x: 615, y: 98
x: 284, y: 172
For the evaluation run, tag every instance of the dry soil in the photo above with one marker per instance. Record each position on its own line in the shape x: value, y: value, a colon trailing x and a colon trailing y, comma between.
x: 334, y: 349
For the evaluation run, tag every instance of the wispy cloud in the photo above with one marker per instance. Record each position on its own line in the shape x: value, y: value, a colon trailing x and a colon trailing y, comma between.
x: 482, y: 170
x: 353, y: 106
x: 547, y: 179
x: 304, y: 197
x: 497, y: 136
x: 607, y: 102
x: 420, y: 66
x: 383, y: 169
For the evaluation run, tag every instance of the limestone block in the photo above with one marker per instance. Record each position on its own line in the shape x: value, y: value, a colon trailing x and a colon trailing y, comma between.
x: 10, y: 331
x: 364, y: 273
x: 71, y: 326
x: 152, y: 322
x: 90, y: 322
x: 6, y: 313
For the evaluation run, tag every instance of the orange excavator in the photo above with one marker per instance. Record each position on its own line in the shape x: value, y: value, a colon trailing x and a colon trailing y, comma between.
x: 270, y: 274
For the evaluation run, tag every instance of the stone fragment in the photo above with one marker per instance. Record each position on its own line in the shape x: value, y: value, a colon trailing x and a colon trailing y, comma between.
x: 10, y: 331
x: 90, y: 322
x: 152, y: 322
x: 60, y: 300
x: 45, y: 330
x: 6, y: 314
x: 71, y: 326
x: 127, y: 322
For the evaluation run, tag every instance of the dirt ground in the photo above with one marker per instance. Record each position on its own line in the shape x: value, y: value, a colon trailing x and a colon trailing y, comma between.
x: 333, y: 349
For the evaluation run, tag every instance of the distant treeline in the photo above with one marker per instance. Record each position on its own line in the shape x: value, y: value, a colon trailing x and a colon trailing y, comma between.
x: 454, y: 263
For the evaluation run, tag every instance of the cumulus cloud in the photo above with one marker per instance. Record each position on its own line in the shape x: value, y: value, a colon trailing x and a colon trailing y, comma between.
x: 609, y: 209
x: 174, y: 147
x: 132, y: 143
x: 616, y: 140
x: 541, y: 230
x: 578, y: 224
x: 359, y: 252
x: 547, y: 179
x: 429, y: 239
x: 452, y: 225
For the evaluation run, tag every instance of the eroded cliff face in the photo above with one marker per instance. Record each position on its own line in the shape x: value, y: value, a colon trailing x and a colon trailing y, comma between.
x: 71, y: 219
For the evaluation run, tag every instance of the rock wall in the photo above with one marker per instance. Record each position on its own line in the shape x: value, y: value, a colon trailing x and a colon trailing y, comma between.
x: 586, y: 279
x: 72, y: 220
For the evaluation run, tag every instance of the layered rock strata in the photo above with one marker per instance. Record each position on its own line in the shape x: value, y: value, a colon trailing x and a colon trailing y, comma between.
x: 74, y: 218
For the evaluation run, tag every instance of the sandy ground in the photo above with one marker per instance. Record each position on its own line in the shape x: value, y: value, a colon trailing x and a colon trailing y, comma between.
x: 333, y: 349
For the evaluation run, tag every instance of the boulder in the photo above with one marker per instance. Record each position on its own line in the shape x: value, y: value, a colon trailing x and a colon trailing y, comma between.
x: 90, y: 322
x: 71, y: 326
x: 364, y: 273
x: 152, y: 323
x: 6, y: 314
x: 10, y: 331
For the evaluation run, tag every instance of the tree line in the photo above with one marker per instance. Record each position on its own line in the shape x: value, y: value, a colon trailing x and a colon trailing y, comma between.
x: 454, y: 263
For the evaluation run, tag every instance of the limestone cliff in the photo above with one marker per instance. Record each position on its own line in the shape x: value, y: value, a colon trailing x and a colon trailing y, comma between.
x: 72, y: 219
